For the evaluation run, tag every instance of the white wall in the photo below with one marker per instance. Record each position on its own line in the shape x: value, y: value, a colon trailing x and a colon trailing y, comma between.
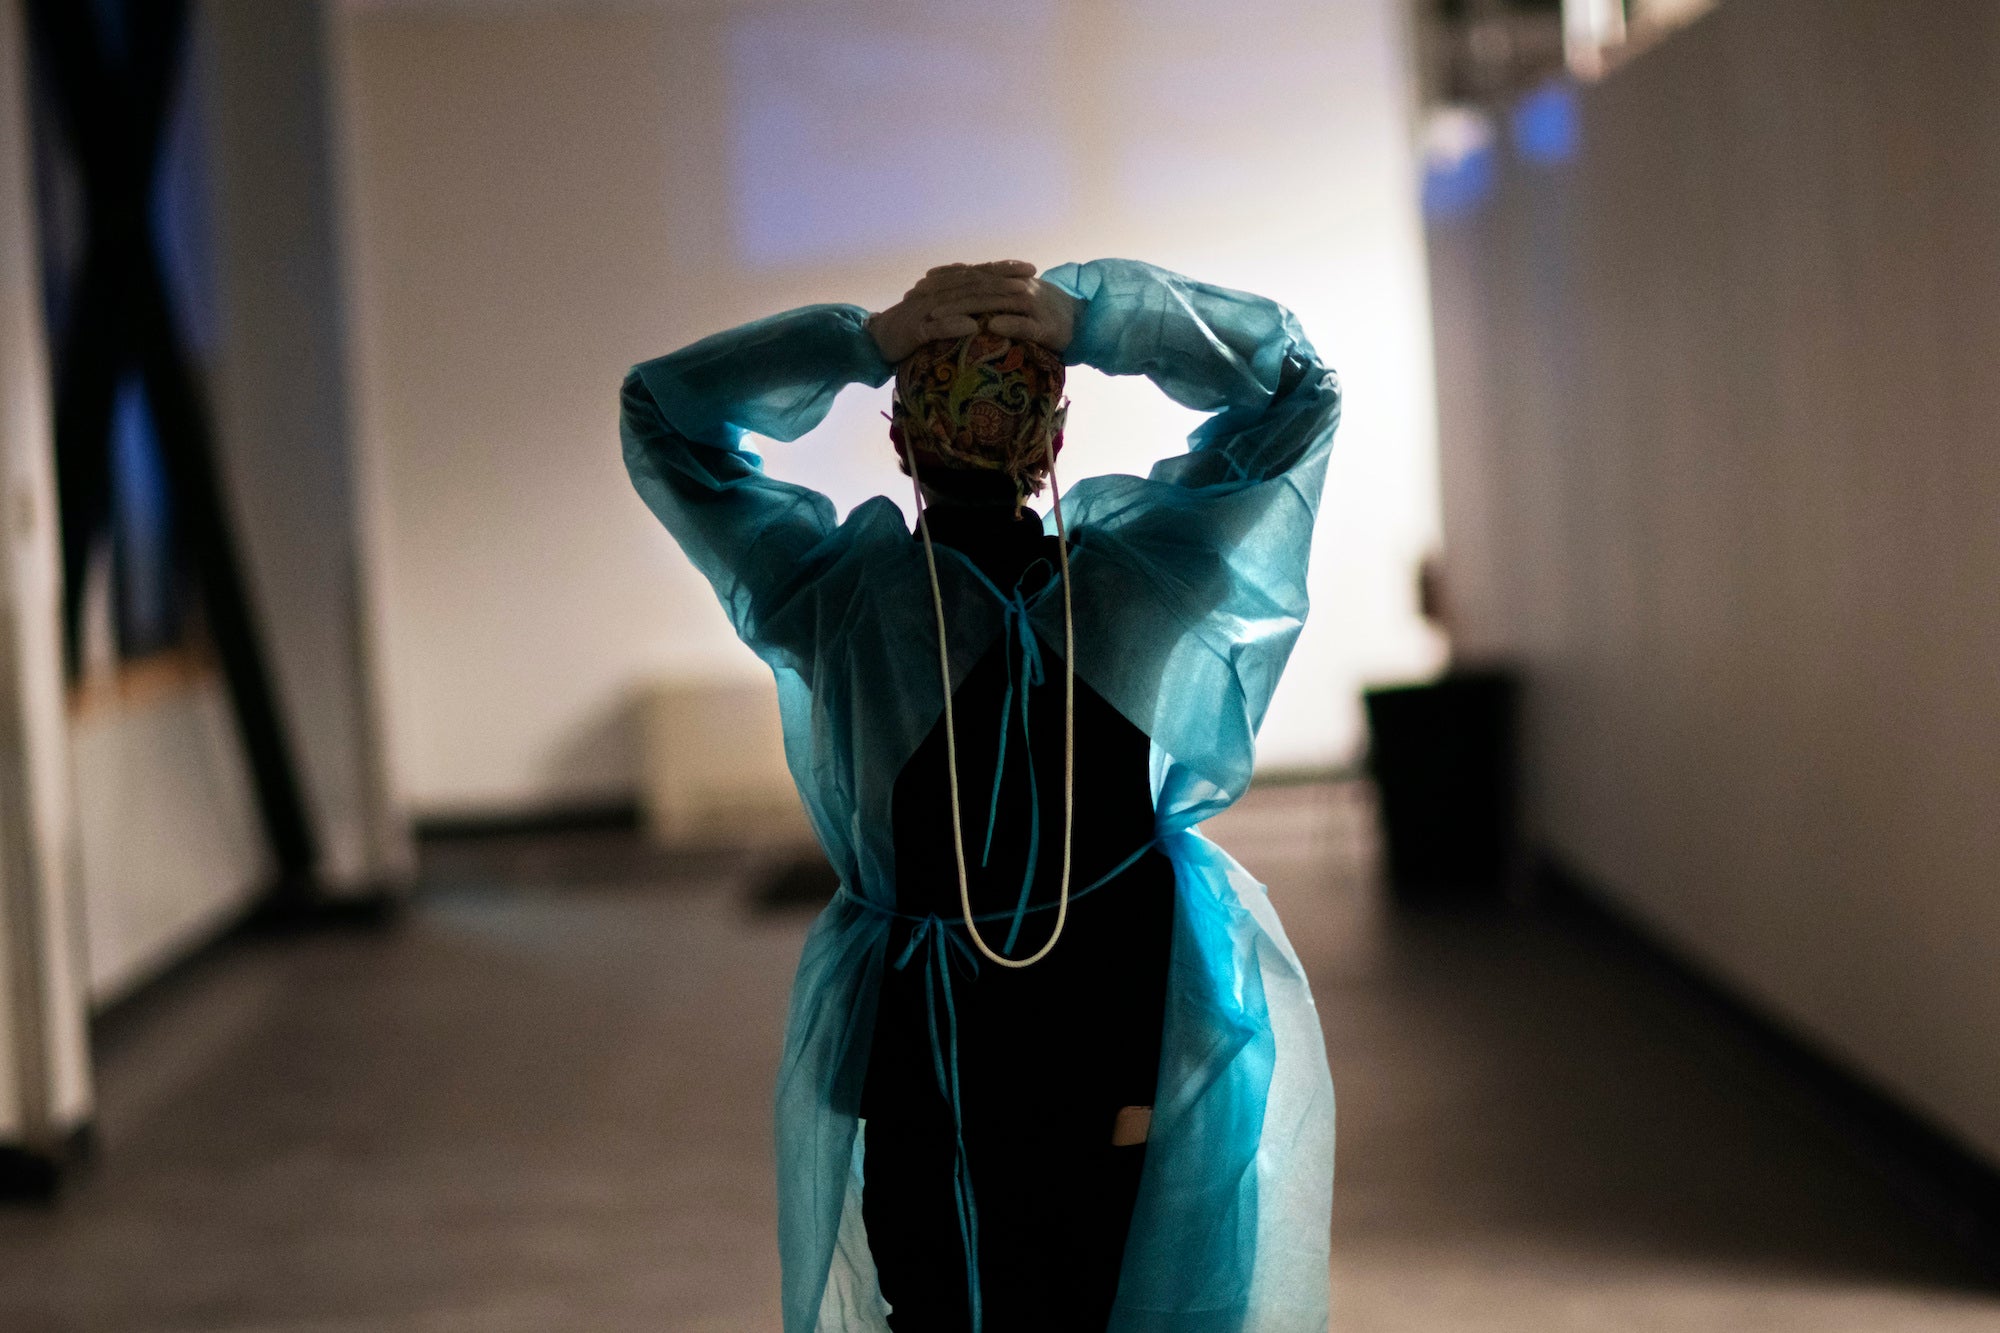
x: 171, y: 845
x: 545, y: 194
x: 44, y: 1049
x: 283, y: 415
x: 1717, y: 409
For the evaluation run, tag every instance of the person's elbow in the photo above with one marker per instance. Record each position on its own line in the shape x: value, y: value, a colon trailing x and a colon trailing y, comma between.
x: 639, y: 415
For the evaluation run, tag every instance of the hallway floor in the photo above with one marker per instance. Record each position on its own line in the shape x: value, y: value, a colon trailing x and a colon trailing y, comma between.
x: 541, y: 1105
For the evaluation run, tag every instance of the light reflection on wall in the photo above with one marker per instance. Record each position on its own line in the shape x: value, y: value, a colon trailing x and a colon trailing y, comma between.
x: 946, y: 137
x: 1209, y: 113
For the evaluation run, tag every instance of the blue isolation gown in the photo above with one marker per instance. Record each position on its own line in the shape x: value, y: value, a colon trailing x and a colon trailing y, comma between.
x: 1189, y: 589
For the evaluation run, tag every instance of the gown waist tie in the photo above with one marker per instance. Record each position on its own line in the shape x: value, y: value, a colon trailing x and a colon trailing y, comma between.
x: 941, y: 945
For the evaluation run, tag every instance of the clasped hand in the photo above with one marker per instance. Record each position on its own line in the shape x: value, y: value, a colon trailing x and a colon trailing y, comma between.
x: 949, y: 302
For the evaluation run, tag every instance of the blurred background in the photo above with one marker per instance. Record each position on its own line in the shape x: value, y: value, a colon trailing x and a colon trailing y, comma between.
x: 399, y: 880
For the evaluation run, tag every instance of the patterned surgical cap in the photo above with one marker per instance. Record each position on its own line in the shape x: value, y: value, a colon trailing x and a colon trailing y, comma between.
x: 982, y: 401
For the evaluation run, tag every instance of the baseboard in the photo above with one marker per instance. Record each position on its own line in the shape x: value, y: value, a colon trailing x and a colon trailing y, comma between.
x: 36, y: 1175
x: 1938, y: 1176
x: 1307, y: 775
x: 581, y: 817
x: 310, y: 905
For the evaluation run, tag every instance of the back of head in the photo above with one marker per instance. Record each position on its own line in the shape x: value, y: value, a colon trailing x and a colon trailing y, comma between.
x: 981, y: 403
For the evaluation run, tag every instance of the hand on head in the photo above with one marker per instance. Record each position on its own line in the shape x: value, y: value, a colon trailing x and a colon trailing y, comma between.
x: 951, y: 300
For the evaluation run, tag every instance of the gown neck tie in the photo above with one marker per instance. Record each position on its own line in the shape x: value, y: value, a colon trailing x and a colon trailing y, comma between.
x: 1018, y: 633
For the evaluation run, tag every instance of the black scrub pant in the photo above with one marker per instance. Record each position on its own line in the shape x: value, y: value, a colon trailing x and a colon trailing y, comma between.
x: 1053, y: 1199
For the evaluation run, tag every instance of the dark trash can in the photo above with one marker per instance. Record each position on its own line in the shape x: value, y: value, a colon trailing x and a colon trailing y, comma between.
x: 1443, y: 756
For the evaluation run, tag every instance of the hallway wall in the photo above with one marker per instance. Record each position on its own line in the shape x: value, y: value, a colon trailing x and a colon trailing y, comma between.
x: 171, y: 844
x: 1718, y: 468
x: 546, y: 194
x: 45, y: 1084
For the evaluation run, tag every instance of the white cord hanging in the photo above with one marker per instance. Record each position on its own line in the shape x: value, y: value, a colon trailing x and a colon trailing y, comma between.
x: 951, y: 738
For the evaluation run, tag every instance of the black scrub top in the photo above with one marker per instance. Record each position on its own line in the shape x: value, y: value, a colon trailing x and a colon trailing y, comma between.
x: 1058, y: 1047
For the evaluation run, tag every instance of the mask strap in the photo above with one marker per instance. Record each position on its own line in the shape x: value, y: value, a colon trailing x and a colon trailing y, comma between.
x: 951, y: 736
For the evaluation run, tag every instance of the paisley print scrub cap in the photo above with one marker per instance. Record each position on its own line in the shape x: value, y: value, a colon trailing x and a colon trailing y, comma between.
x: 984, y: 402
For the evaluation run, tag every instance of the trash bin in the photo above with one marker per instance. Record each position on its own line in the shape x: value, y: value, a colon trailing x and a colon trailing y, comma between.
x: 1443, y: 757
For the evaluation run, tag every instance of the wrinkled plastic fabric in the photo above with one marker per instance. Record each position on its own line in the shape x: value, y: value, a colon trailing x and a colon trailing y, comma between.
x: 1190, y: 589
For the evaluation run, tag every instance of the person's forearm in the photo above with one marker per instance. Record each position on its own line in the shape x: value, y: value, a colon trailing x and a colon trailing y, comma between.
x: 776, y: 377
x: 682, y: 417
x: 1240, y: 356
x: 1207, y: 347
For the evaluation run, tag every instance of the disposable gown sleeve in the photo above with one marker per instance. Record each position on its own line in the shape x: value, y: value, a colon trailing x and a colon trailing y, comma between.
x: 1240, y: 356
x: 758, y: 540
x: 1204, y: 560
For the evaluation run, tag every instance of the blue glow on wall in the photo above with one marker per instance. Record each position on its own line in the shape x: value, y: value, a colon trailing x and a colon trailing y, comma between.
x: 183, y: 231
x: 1208, y: 105
x: 1547, y: 125
x: 149, y: 613
x: 1457, y: 187
x: 853, y: 137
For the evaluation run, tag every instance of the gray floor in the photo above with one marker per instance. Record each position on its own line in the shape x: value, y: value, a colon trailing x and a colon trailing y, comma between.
x: 541, y: 1105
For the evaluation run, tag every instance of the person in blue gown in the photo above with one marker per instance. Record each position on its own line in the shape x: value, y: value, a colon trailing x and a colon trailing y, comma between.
x: 1136, y: 1132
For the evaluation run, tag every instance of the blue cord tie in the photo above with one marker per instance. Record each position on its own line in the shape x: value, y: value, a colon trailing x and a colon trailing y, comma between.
x: 932, y: 928
x: 944, y: 1064
x: 1015, y: 625
x: 944, y: 1048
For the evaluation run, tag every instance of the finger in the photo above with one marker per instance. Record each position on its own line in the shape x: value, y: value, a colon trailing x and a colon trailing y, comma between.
x: 985, y: 285
x: 1027, y: 329
x: 945, y: 271
x: 937, y: 327
x: 1016, y: 268
x: 970, y: 281
x: 1007, y: 273
x: 985, y: 303
x: 972, y: 301
x: 975, y: 303
x: 1021, y: 328
x: 947, y: 284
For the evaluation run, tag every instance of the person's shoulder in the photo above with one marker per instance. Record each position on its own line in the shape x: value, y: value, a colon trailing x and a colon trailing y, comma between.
x: 876, y: 516
x: 873, y: 530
